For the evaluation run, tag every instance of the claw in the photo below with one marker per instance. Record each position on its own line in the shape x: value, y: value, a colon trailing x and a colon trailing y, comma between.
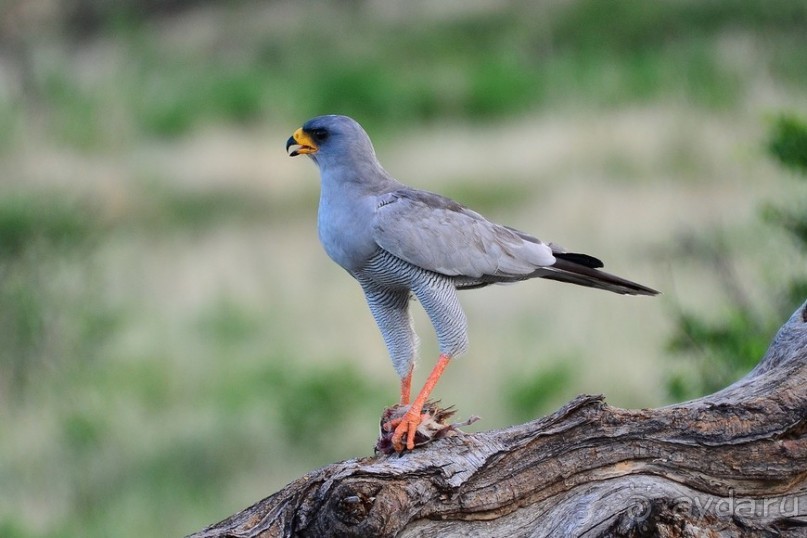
x: 407, y: 425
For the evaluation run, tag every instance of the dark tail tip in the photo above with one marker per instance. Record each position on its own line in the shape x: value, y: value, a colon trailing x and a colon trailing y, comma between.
x: 580, y: 259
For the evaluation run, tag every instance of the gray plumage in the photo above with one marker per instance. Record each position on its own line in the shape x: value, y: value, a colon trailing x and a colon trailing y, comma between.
x: 398, y: 241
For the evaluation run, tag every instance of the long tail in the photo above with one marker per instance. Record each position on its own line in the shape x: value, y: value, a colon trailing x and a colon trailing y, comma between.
x: 583, y: 270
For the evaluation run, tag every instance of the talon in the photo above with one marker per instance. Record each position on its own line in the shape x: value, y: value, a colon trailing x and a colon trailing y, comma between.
x: 408, y: 425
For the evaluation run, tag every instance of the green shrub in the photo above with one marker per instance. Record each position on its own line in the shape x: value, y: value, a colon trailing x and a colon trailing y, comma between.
x: 719, y: 352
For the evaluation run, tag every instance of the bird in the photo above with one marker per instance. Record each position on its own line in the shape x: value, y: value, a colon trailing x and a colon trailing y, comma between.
x: 400, y: 243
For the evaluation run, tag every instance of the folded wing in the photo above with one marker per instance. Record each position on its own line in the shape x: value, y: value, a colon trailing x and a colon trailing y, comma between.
x: 438, y: 234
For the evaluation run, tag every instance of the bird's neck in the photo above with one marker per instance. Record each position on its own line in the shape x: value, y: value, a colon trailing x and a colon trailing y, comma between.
x: 363, y: 178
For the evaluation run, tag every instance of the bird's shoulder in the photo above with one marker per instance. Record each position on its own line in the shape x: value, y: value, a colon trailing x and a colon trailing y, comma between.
x: 418, y: 202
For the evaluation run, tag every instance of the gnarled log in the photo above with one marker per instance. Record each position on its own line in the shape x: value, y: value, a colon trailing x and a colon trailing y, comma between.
x: 730, y: 464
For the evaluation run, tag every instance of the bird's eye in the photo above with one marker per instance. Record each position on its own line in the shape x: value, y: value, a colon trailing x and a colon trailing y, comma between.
x: 320, y: 135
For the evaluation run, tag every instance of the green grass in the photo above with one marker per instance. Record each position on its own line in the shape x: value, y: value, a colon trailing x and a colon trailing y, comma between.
x: 722, y: 351
x: 39, y: 233
x: 29, y: 219
x: 476, y: 67
x: 788, y: 142
x: 200, y: 210
x: 171, y: 98
x: 531, y: 396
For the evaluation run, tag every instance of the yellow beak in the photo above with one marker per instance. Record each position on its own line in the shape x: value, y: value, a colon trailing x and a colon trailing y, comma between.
x: 300, y: 144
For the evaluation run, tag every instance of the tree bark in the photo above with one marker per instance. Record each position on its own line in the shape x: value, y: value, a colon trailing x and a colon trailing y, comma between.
x: 730, y: 464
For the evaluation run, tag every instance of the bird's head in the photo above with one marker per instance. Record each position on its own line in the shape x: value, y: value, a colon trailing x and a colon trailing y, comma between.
x: 331, y: 140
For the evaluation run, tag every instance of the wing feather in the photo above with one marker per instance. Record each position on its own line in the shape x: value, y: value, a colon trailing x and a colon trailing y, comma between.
x: 438, y: 234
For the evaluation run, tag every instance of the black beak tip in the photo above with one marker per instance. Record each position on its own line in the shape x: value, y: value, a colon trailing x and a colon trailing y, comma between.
x: 289, y: 143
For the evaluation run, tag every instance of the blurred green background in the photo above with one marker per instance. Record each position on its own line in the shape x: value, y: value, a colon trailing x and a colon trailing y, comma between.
x: 175, y: 345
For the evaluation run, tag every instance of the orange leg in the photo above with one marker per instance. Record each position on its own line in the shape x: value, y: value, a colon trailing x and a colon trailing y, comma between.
x: 409, y: 422
x: 406, y: 387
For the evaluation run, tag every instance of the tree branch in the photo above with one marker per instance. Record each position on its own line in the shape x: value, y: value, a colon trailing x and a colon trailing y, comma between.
x: 732, y: 463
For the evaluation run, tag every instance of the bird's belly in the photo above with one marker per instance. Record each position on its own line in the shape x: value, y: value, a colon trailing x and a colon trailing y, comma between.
x: 392, y: 272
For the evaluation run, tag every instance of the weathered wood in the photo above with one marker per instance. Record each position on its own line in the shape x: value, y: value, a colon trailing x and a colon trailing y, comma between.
x: 730, y: 464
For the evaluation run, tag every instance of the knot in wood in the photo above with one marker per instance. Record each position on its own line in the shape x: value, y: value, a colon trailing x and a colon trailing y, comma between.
x: 354, y: 502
